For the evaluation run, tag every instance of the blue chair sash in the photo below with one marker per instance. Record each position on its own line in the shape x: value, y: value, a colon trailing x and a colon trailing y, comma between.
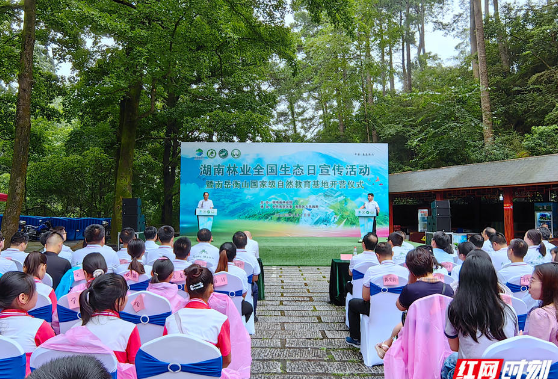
x: 44, y: 312
x: 66, y: 314
x: 357, y: 275
x: 374, y: 289
x: 553, y: 373
x: 521, y: 321
x: 141, y: 286
x: 145, y: 319
x: 250, y: 278
x: 13, y: 368
x: 516, y: 288
x: 148, y: 366
x: 231, y: 293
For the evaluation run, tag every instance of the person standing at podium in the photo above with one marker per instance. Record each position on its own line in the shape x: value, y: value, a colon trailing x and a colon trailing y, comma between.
x: 370, y: 205
x: 205, y: 203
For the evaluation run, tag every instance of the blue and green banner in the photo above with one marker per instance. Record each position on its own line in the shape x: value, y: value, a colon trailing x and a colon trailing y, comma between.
x: 284, y: 189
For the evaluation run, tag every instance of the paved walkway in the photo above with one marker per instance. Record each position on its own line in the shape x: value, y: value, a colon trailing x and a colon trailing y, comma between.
x: 299, y: 335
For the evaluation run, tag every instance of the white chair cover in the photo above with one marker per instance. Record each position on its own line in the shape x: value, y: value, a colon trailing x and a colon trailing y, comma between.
x: 357, y: 287
x: 155, y: 305
x: 445, y: 278
x: 171, y: 349
x: 42, y: 301
x: 47, y: 280
x: 384, y: 316
x: 12, y: 359
x: 67, y: 317
x: 522, y: 347
x: 18, y: 264
x: 523, y: 294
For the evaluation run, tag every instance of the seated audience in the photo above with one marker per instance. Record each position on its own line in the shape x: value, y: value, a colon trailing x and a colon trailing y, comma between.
x: 36, y: 265
x: 499, y: 252
x: 197, y: 319
x: 542, y: 322
x: 421, y: 283
x: 537, y: 253
x: 477, y: 240
x: 165, y: 235
x: 18, y: 244
x: 362, y: 306
x: 5, y: 264
x: 545, y: 234
x: 95, y: 238
x: 438, y: 268
x: 18, y: 295
x: 181, y: 249
x: 226, y: 259
x: 406, y: 245
x: 100, y: 305
x: 554, y: 254
x: 240, y: 240
x: 477, y: 317
x: 150, y: 234
x: 442, y: 248
x: 161, y: 275
x: 94, y: 265
x: 126, y: 235
x: 252, y: 245
x: 516, y: 252
x: 75, y: 367
x: 463, y: 249
x: 56, y: 265
x: 399, y: 252
x: 369, y: 242
x: 66, y: 251
x: 204, y: 250
x: 136, y: 250
x: 486, y: 234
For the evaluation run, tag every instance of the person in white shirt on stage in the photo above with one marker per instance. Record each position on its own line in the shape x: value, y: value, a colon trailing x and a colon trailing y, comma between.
x: 399, y: 252
x: 150, y: 234
x: 499, y: 254
x: 95, y: 237
x: 369, y: 242
x: 5, y: 264
x: 205, y: 203
x: 166, y: 238
x: 362, y: 306
x: 126, y: 235
x: 18, y: 244
x: 252, y: 245
x: 372, y: 205
x: 487, y: 245
x: 516, y: 252
x: 240, y: 240
x: 204, y: 250
x: 181, y: 249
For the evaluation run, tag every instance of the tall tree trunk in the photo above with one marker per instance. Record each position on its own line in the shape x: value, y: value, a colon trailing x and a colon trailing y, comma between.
x: 292, y: 112
x: 170, y: 155
x: 501, y: 36
x: 487, y: 9
x: 483, y: 73
x: 403, y: 62
x: 128, y: 124
x: 382, y: 56
x: 408, y: 44
x: 391, y: 70
x: 370, y: 90
x: 473, y: 38
x: 423, y: 30
x: 20, y: 160
x: 340, y: 110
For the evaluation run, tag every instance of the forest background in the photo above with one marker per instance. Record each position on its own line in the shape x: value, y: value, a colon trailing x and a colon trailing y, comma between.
x: 146, y: 75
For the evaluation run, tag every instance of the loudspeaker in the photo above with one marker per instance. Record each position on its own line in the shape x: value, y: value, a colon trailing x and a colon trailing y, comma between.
x: 131, y: 206
x: 441, y: 212
x: 436, y: 224
x: 440, y: 204
x: 136, y: 222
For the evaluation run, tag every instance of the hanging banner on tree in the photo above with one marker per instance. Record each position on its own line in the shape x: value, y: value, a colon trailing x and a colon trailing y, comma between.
x: 284, y: 189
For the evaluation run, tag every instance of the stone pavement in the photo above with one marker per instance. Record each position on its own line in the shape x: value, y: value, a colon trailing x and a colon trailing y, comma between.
x: 299, y: 335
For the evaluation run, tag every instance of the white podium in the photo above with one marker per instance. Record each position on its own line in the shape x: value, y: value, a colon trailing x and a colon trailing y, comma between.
x: 366, y: 219
x: 205, y: 217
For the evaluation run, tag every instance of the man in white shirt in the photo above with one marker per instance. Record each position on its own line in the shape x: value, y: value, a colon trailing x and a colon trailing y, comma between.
x: 545, y: 232
x: 499, y: 253
x: 405, y: 245
x: 95, y: 237
x: 204, y: 250
x: 5, y: 264
x: 486, y: 234
x: 515, y: 252
x: 239, y: 240
x: 166, y: 239
x: 252, y: 246
x: 205, y: 203
x: 18, y: 244
x: 399, y: 252
x: 369, y: 242
x: 126, y: 235
x: 181, y: 249
x: 150, y: 234
x: 372, y: 205
x: 362, y: 306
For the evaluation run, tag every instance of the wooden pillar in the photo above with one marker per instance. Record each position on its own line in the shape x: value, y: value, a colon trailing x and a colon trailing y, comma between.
x: 508, y: 214
x: 391, y: 214
x: 439, y: 196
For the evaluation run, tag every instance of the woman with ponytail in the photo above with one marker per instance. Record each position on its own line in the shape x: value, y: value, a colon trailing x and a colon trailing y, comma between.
x: 35, y: 264
x: 18, y: 295
x: 197, y: 319
x: 227, y: 253
x: 536, y: 253
x: 161, y: 275
x: 94, y: 265
x: 100, y: 305
x: 441, y: 246
x: 136, y: 250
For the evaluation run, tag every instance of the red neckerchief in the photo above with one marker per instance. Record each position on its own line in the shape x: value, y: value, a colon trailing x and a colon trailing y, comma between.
x: 106, y: 313
x: 197, y: 303
x: 13, y: 312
